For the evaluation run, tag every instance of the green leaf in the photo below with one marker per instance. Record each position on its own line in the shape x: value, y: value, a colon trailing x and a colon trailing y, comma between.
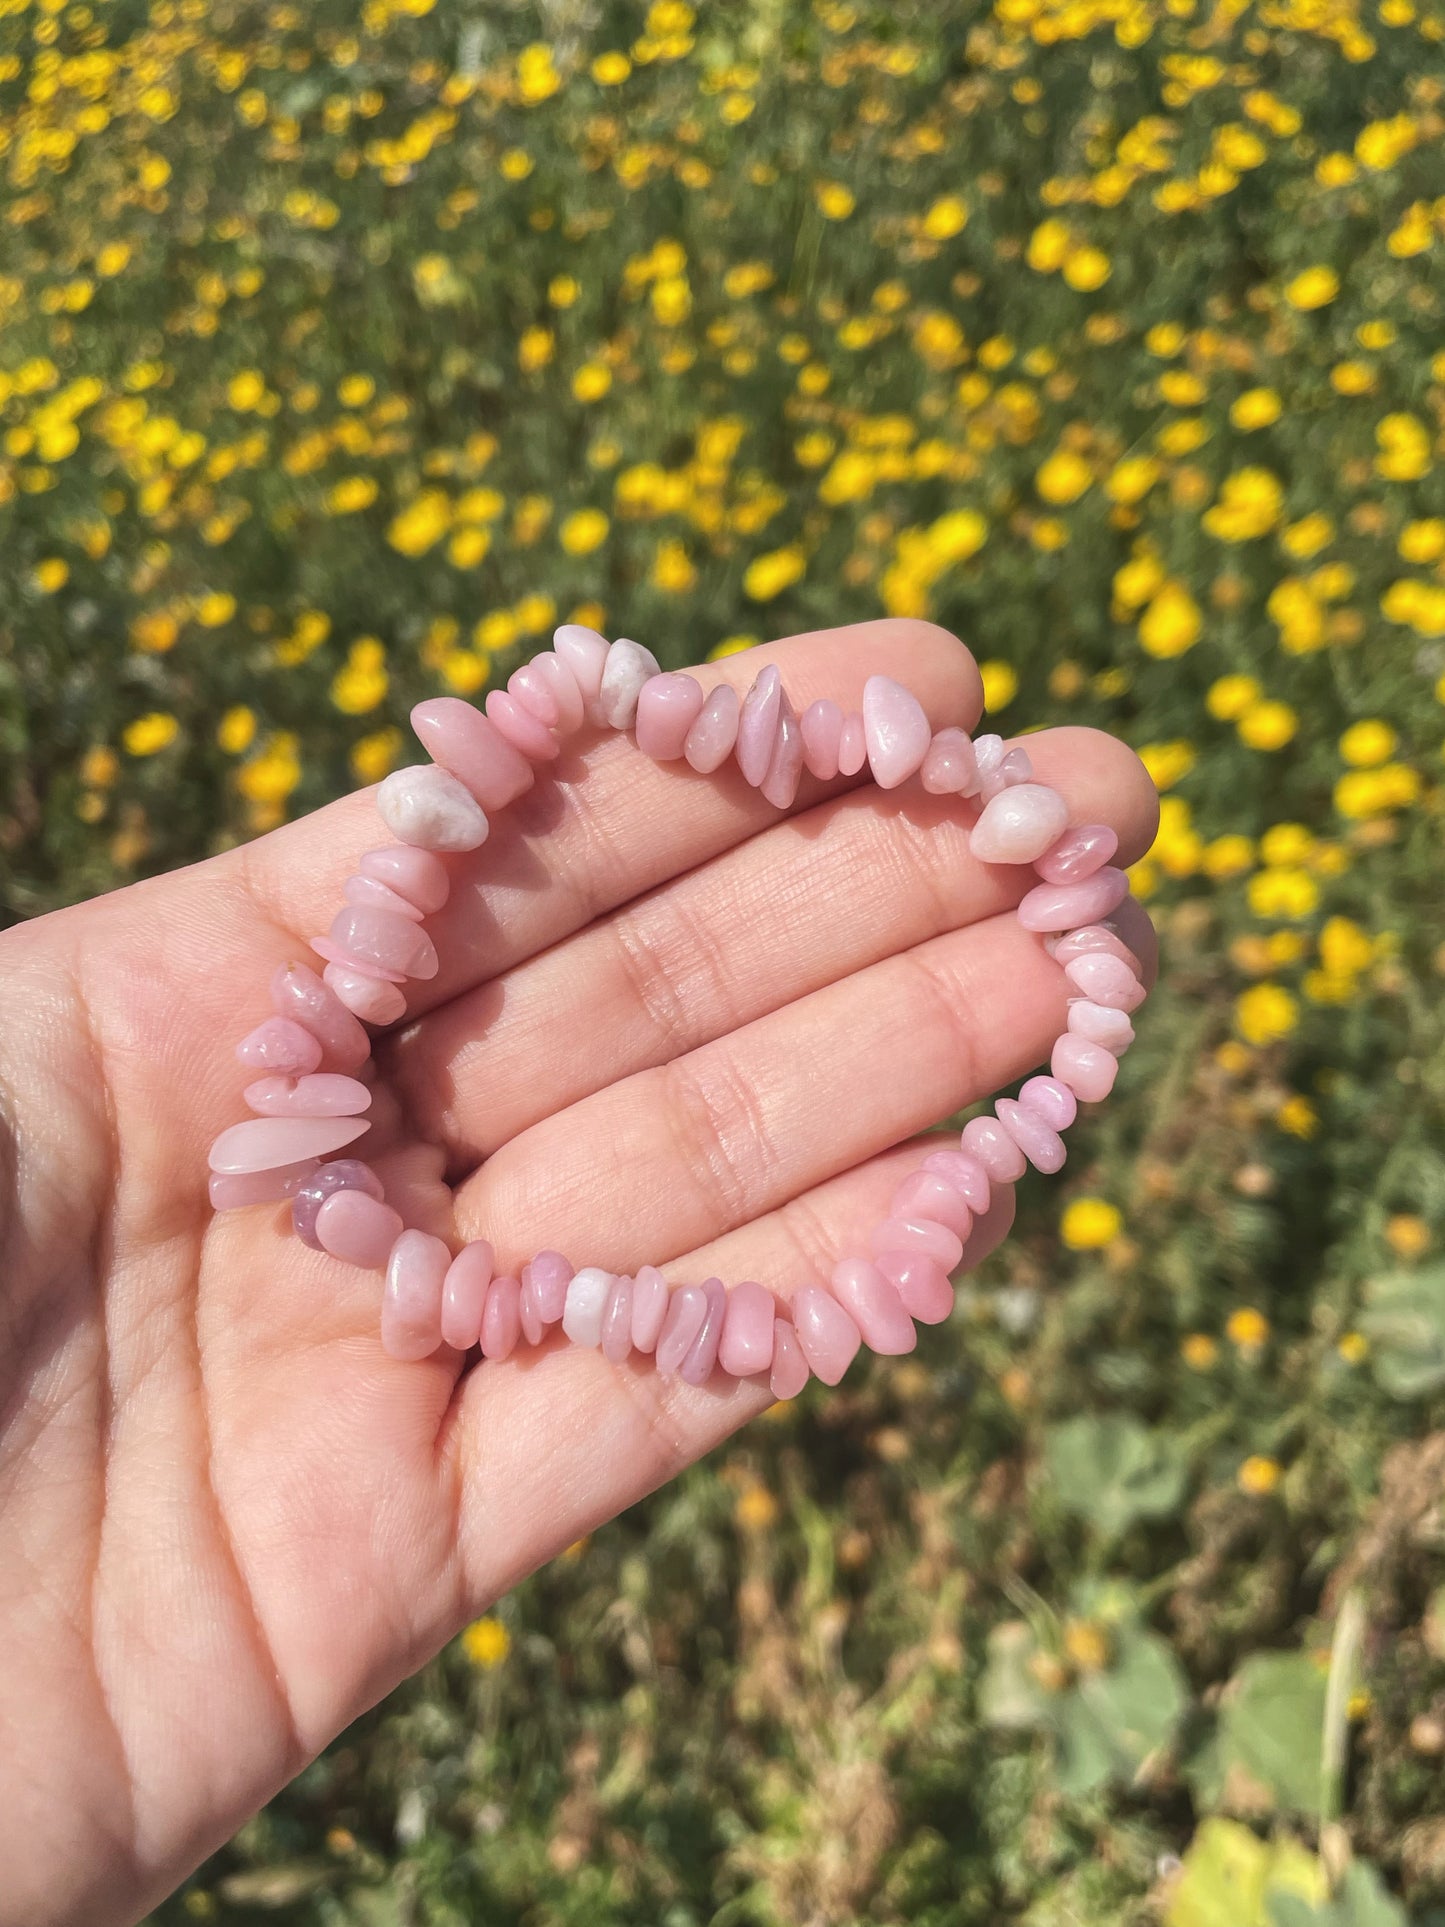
x: 1233, y: 1879
x: 1112, y: 1721
x: 1362, y: 1901
x: 1404, y: 1319
x: 1112, y: 1470
x: 1271, y: 1723
x: 1009, y: 1697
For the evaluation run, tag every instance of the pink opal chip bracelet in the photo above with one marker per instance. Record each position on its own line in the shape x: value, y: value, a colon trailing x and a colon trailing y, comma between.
x: 309, y: 1103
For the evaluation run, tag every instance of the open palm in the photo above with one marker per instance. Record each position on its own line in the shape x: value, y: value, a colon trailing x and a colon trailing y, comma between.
x: 670, y: 1026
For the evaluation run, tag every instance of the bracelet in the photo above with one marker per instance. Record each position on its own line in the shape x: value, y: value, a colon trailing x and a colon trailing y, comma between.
x: 309, y: 1103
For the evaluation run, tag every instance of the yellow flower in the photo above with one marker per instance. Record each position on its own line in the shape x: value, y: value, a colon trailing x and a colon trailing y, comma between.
x: 1064, y: 477
x: 362, y: 682
x: 236, y: 730
x: 245, y: 390
x: 216, y: 609
x: 1250, y: 502
x: 535, y: 348
x: 1086, y: 269
x: 1000, y: 684
x: 768, y: 575
x: 1167, y: 763
x: 1404, y: 443
x: 1088, y: 1224
x: 1307, y: 537
x: 1407, y: 1236
x: 1172, y: 623
x: 1259, y: 1476
x: 1423, y: 542
x: 1165, y: 339
x: 1268, y: 725
x: 351, y: 494
x: 1200, y: 1352
x: 835, y: 202
x: 945, y: 218
x: 591, y: 381
x: 1230, y: 696
x: 1256, y: 408
x: 1181, y: 389
x: 673, y: 570
x: 563, y: 290
x: 377, y: 755
x: 731, y: 646
x: 1366, y: 744
x: 355, y: 391
x: 486, y: 1643
x: 1384, y: 142
x: 1283, y: 893
x: 1353, y: 1348
x: 149, y: 734
x: 1227, y: 856
x: 1048, y: 245
x: 1352, y: 378
x: 611, y: 69
x: 1247, y: 1328
x: 1130, y: 480
x: 271, y: 775
x: 1265, y: 1013
x: 422, y: 523
x: 1298, y: 1116
x: 583, y: 531
x: 51, y: 574
x: 756, y: 1508
x: 672, y: 300
x: 1312, y: 289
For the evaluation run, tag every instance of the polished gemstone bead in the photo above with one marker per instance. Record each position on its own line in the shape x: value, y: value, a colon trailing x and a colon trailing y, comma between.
x: 789, y: 1371
x: 1014, y: 767
x: 233, y: 1191
x: 265, y: 1143
x: 949, y: 768
x: 1088, y: 1069
x: 874, y: 1305
x: 821, y: 724
x: 358, y: 1229
x: 922, y: 1235
x: 339, y: 1174
x: 550, y: 1274
x: 418, y: 875
x: 1105, y: 980
x: 373, y: 999
x: 988, y: 754
x: 895, y: 729
x: 650, y: 1297
x: 464, y: 1294
x: 1043, y: 1147
x: 666, y: 710
x: 333, y: 953
x: 697, y: 1366
x: 828, y: 1336
x: 529, y: 687
x: 617, y: 1322
x: 1088, y: 940
x: 852, y: 745
x: 1019, y: 824
x: 758, y: 724
x: 281, y: 1045
x: 585, y: 654
x: 921, y: 1283
x: 1062, y: 906
x: 785, y: 769
x: 411, y: 1299
x: 461, y: 739
x: 1050, y: 1101
x: 747, y: 1338
x: 501, y: 1325
x: 629, y: 666
x: 987, y: 1140
x: 587, y: 1291
x: 563, y: 688
x: 520, y: 728
x: 711, y: 739
x: 425, y: 805
x: 687, y: 1308
x: 367, y: 894
x: 1099, y: 1025
x: 1078, y: 853
x: 325, y: 1094
x: 381, y: 937
x: 965, y: 1173
x: 926, y: 1194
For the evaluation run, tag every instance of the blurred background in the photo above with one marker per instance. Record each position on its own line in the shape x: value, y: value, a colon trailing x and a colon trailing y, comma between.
x: 345, y: 349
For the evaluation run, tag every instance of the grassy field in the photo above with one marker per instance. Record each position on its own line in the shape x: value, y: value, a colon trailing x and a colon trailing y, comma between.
x: 346, y: 348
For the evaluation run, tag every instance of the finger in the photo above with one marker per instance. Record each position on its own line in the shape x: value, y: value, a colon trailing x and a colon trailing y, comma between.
x: 604, y: 823
x: 543, y: 1448
x: 676, y: 1155
x: 813, y: 898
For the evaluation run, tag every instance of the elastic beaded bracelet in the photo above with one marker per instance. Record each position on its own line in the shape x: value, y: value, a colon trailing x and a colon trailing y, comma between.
x: 309, y: 1103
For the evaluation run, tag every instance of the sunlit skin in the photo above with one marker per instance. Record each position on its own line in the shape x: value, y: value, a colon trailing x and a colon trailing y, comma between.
x: 676, y: 1027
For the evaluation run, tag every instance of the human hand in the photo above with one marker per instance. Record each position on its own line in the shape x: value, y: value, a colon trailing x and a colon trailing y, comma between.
x: 669, y: 1025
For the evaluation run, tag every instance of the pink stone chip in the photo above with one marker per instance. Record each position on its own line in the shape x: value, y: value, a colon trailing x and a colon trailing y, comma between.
x: 617, y: 1322
x: 1019, y: 824
x: 564, y: 688
x: 789, y: 1373
x: 1078, y: 853
x: 585, y: 653
x: 712, y: 737
x: 464, y: 1294
x: 925, y: 1194
x: 896, y: 731
x: 666, y: 710
x: 529, y: 687
x: 920, y: 1235
x: 386, y: 940
x: 1050, y: 1101
x: 267, y: 1143
x: 949, y: 768
x: 233, y: 1192
x: 696, y: 1367
x: 967, y: 1176
x: 297, y: 991
x: 282, y: 1045
x: 357, y: 1229
x: 372, y: 999
x: 827, y: 1334
x: 758, y: 725
x: 1062, y: 906
x: 411, y: 1300
x: 367, y: 894
x: 1088, y: 1069
x: 337, y: 1174
x: 852, y: 745
x: 323, y: 1095
x: 418, y: 875
x: 747, y: 1338
x: 1043, y: 1147
x: 649, y: 1307
x: 1089, y: 940
x: 785, y: 769
x: 1105, y: 980
x: 461, y: 739
x: 333, y: 953
x: 501, y: 1325
x: 687, y: 1308
x: 544, y: 1292
x: 987, y: 1140
x: 874, y: 1305
x: 520, y: 728
x: 1111, y: 1028
x: 822, y: 725
x: 921, y: 1283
